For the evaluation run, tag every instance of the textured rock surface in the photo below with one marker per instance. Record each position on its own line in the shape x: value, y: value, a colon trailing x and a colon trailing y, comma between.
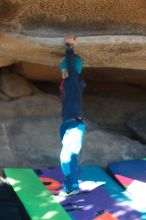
x: 129, y: 76
x: 29, y: 136
x: 101, y: 51
x: 112, y: 104
x: 6, y: 62
x: 111, y: 35
x: 36, y: 28
x: 102, y: 148
x: 31, y: 142
x: 35, y: 71
x: 4, y: 97
x: 48, y: 73
x: 36, y: 105
x: 14, y: 85
x: 84, y: 16
x: 37, y: 135
x: 137, y: 124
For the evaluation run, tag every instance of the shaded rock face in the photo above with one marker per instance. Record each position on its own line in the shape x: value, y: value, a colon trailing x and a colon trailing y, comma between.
x: 29, y: 127
x: 49, y: 73
x: 88, y: 16
x: 29, y: 136
x: 36, y: 105
x: 38, y: 72
x: 111, y: 105
x: 14, y: 85
x: 102, y: 148
x: 6, y: 62
x: 137, y: 124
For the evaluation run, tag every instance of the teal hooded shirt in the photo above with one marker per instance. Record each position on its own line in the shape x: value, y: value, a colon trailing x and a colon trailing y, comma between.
x: 78, y: 64
x: 72, y: 87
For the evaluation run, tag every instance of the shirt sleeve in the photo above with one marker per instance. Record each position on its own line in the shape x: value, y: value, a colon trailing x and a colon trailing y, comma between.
x: 70, y: 63
x: 63, y: 65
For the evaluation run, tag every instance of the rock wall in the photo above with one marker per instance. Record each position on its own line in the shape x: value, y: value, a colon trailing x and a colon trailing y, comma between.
x: 88, y: 17
x: 29, y: 135
x: 101, y: 51
x: 97, y: 74
x: 112, y: 42
x: 32, y: 31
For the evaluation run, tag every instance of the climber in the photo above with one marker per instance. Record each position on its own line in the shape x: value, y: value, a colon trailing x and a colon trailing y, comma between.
x: 72, y: 129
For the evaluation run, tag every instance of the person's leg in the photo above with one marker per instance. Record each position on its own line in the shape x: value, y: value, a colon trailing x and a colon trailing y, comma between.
x: 72, y: 143
x: 74, y: 171
x: 78, y: 136
x: 71, y: 180
x: 65, y: 154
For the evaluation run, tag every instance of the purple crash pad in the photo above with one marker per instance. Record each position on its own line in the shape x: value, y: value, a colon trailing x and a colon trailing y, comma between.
x: 89, y: 204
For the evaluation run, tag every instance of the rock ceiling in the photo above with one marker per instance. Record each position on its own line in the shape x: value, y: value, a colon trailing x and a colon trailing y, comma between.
x: 111, y: 33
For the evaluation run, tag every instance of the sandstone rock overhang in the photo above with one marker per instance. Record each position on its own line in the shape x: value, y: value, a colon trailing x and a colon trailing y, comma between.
x: 111, y: 33
x: 85, y: 17
x: 97, y: 51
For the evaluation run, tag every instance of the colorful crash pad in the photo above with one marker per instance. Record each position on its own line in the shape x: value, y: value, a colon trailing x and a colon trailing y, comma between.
x: 132, y: 176
x: 90, y: 204
x: 106, y: 216
x: 128, y: 171
x: 38, y: 201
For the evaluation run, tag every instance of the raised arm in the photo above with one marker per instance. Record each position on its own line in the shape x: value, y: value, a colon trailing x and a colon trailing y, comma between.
x: 69, y: 42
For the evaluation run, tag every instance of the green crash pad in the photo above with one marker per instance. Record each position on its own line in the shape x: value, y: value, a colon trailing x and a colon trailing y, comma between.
x: 37, y: 200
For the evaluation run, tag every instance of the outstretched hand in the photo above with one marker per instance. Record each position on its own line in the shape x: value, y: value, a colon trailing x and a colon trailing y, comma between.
x: 70, y: 40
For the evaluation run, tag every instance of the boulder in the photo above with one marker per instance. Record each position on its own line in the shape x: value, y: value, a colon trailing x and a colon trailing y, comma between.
x: 137, y: 124
x: 30, y: 124
x: 4, y: 97
x: 112, y: 104
x: 34, y: 142
x: 14, y: 85
x: 29, y: 132
x: 35, y: 105
x: 35, y: 90
x: 7, y: 158
x: 102, y: 147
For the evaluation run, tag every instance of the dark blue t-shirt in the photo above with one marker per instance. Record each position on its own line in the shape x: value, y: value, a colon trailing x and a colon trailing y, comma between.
x: 72, y: 90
